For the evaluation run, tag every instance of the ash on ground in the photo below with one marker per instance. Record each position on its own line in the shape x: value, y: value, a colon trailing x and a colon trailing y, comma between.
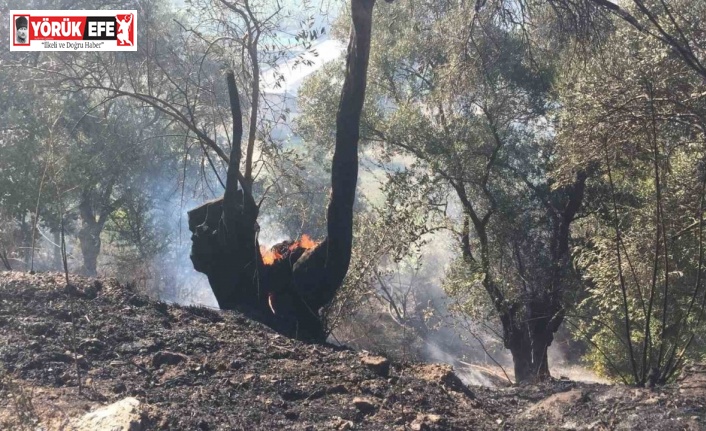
x: 146, y: 365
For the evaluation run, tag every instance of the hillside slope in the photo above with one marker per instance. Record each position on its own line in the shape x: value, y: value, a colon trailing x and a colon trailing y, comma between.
x: 200, y: 369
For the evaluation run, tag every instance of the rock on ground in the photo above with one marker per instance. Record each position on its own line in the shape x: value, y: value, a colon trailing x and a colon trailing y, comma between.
x: 123, y: 415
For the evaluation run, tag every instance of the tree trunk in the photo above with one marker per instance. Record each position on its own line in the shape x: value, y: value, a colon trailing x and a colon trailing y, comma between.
x: 92, y: 223
x: 24, y: 238
x: 288, y: 293
x: 529, y: 326
x: 90, y: 240
x: 5, y: 261
x: 527, y: 369
x: 528, y: 343
x: 57, y: 264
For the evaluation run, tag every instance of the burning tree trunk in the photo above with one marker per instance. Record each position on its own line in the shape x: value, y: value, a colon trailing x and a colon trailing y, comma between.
x: 287, y: 288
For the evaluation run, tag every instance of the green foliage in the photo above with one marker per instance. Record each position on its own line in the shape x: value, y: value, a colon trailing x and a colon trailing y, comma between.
x: 634, y: 113
x: 75, y: 156
x: 479, y: 121
x: 457, y: 100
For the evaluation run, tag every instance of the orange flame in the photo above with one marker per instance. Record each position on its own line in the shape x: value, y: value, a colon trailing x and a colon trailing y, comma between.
x: 305, y: 242
x: 270, y: 256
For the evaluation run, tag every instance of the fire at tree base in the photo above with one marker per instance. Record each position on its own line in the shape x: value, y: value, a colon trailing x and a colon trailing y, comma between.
x: 271, y: 286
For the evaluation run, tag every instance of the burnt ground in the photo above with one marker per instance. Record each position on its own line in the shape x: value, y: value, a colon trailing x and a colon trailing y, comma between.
x: 200, y: 369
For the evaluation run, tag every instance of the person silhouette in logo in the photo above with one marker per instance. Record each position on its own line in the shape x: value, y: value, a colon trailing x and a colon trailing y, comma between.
x: 21, y: 30
x: 124, y: 30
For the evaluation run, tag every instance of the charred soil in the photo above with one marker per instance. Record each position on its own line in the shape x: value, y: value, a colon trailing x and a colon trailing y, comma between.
x: 200, y: 369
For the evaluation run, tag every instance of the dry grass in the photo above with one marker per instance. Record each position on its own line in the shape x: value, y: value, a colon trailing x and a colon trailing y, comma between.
x: 17, y: 411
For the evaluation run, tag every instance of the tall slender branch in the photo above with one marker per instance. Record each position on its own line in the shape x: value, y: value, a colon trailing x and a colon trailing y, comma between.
x: 623, y: 288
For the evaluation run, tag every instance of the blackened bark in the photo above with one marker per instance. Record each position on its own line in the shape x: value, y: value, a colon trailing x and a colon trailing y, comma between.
x: 287, y: 294
x: 530, y: 362
x: 315, y: 286
x: 224, y: 240
x: 344, y: 169
x: 528, y: 337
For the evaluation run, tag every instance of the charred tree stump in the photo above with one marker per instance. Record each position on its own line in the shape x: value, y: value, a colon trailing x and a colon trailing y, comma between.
x: 288, y: 292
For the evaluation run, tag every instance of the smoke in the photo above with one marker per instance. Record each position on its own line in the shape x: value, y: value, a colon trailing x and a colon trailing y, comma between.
x: 465, y: 371
x: 156, y: 259
x: 422, y: 325
x: 271, y: 233
x: 177, y: 280
x: 562, y: 366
